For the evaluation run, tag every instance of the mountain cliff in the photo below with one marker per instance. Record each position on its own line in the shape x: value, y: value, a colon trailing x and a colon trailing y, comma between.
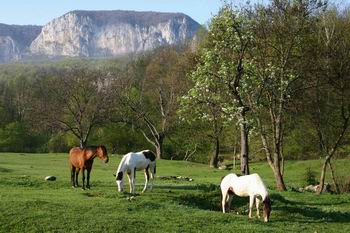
x: 95, y: 34
x: 112, y: 33
x: 15, y: 41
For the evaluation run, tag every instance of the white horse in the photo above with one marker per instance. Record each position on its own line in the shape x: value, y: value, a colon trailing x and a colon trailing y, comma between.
x: 133, y: 161
x: 243, y: 186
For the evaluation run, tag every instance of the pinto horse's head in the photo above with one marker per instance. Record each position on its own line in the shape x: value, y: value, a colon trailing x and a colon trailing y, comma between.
x: 119, y: 181
x: 267, y: 208
x: 101, y: 152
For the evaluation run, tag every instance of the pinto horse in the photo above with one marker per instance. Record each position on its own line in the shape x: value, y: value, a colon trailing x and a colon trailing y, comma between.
x: 243, y: 186
x: 133, y: 161
x: 81, y: 159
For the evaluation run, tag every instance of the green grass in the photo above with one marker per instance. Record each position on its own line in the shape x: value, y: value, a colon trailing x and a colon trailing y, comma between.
x: 30, y: 204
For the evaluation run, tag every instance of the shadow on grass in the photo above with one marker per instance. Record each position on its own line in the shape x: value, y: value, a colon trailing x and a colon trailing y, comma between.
x: 22, y: 181
x: 310, y: 212
x: 209, y: 198
x: 198, y: 187
x: 5, y: 170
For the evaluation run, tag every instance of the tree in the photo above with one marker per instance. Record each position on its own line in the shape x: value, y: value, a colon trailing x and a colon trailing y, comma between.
x: 75, y: 99
x: 198, y: 105
x: 220, y: 71
x: 280, y: 29
x: 330, y: 94
x: 150, y: 93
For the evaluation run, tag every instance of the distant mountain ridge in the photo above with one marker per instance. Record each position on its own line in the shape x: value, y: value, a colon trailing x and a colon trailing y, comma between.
x: 15, y: 40
x: 96, y: 34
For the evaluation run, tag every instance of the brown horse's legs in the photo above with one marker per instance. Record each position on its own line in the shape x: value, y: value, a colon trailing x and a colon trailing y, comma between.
x: 83, y: 177
x: 88, y: 178
x: 72, y: 175
x: 76, y: 177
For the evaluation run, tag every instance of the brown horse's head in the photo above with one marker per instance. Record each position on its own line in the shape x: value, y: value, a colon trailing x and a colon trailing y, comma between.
x: 267, y: 208
x: 101, y: 152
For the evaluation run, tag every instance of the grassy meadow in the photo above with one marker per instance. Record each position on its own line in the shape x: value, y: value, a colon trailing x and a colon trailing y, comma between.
x: 28, y: 203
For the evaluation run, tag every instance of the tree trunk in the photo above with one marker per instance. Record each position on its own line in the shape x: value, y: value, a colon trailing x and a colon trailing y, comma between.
x: 277, y: 155
x: 279, y: 179
x: 215, y: 157
x: 244, y: 146
x: 277, y: 171
x: 159, y: 146
x: 82, y: 143
x: 275, y: 162
x: 335, y: 183
x: 234, y: 154
x: 323, y: 176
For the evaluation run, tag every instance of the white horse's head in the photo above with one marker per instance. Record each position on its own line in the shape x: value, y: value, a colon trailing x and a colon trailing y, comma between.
x: 119, y: 180
x: 267, y: 208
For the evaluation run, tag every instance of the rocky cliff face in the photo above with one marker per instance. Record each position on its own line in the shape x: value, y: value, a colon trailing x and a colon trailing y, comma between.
x: 111, y: 33
x: 15, y: 41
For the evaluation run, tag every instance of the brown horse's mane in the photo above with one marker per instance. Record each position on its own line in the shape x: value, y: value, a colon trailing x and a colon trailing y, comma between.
x: 95, y: 148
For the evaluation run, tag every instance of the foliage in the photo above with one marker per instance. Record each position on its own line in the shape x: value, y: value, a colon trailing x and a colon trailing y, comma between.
x: 218, y: 92
x: 16, y: 137
x: 61, y: 142
x: 119, y: 138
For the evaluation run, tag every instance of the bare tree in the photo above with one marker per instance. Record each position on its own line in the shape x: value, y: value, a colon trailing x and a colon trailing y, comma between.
x: 151, y: 90
x: 74, y: 99
x: 330, y: 105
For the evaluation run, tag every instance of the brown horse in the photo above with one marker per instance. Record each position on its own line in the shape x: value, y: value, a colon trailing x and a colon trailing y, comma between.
x: 81, y: 159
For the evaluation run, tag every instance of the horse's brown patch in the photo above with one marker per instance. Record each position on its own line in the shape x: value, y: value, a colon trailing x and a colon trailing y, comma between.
x: 120, y: 176
x: 149, y: 155
x: 230, y: 191
x: 147, y: 173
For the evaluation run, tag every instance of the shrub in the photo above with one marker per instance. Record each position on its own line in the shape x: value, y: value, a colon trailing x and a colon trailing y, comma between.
x: 310, y: 177
x: 344, y: 184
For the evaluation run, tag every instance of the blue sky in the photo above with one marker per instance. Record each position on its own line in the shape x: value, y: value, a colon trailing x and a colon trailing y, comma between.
x: 40, y: 12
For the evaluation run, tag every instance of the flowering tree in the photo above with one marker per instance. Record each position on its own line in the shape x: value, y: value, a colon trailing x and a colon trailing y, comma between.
x: 217, y: 94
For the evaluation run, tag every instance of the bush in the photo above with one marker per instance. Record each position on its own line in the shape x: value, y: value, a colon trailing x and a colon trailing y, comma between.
x: 16, y: 137
x: 310, y: 176
x: 344, y: 184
